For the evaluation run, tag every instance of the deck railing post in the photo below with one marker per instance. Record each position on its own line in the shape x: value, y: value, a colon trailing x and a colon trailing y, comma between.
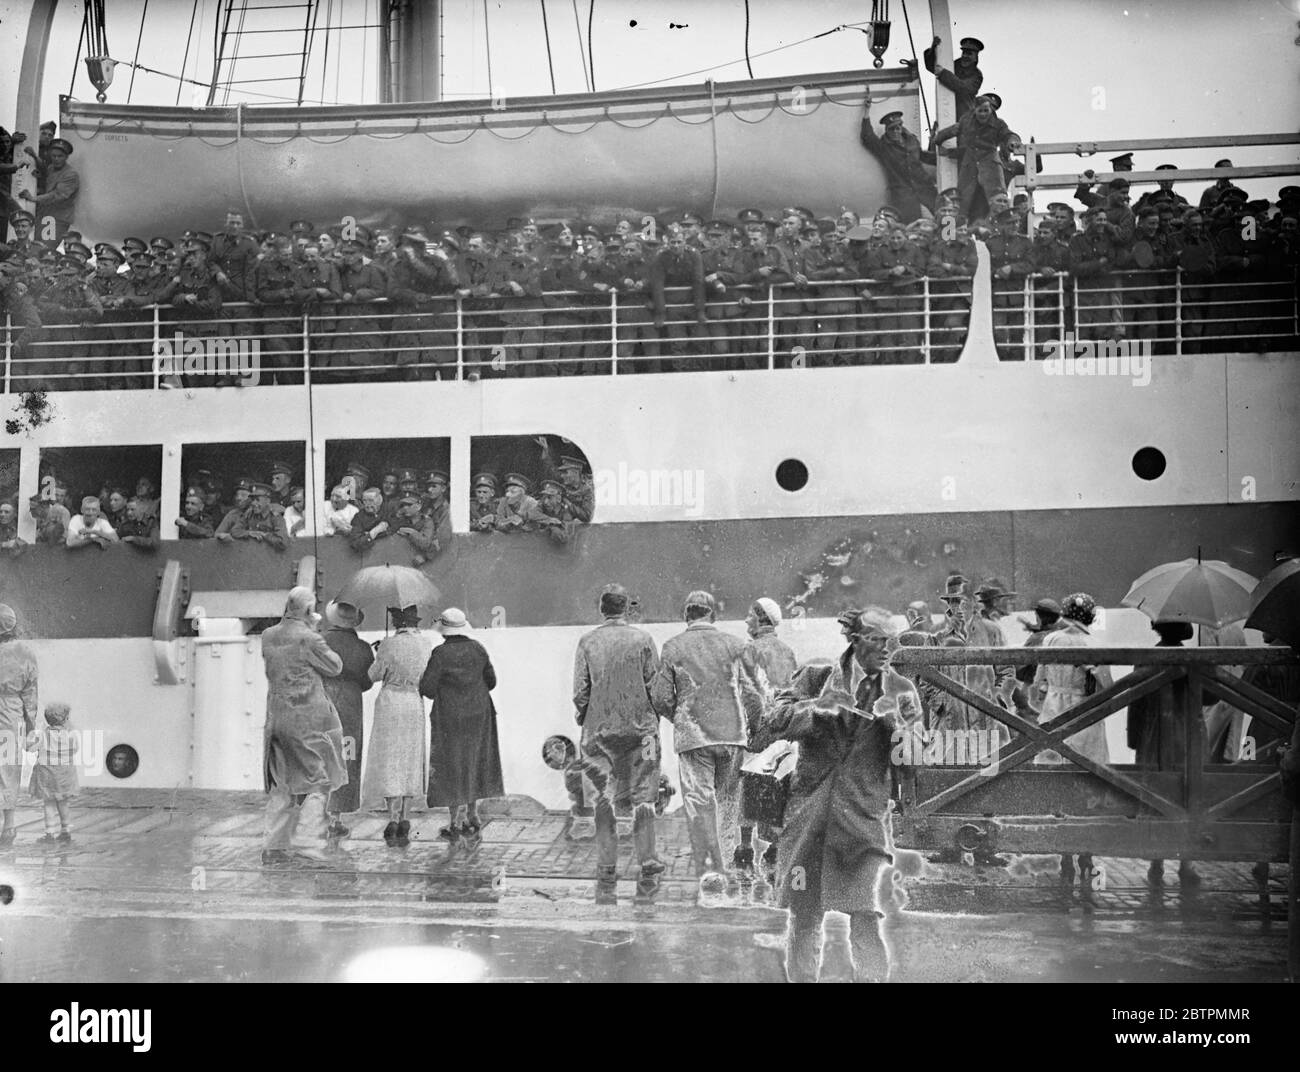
x: 1178, y: 311
x: 460, y: 338
x: 306, y: 347
x: 157, y: 345
x: 1026, y: 321
x: 925, y: 316
x: 771, y: 327
x: 1060, y: 308
x: 613, y: 332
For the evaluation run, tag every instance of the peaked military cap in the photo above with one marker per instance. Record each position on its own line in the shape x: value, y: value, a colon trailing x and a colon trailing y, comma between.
x: 281, y: 467
x: 993, y: 99
x: 750, y: 215
x: 972, y: 44
x: 552, y: 485
x: 256, y: 487
x: 407, y: 476
x: 485, y: 480
x: 1123, y: 162
x: 301, y: 227
x: 890, y: 117
x: 22, y: 214
x: 129, y: 244
x: 519, y: 481
x: 160, y: 243
x: 1166, y: 167
x: 104, y: 250
x: 436, y: 476
x: 60, y: 143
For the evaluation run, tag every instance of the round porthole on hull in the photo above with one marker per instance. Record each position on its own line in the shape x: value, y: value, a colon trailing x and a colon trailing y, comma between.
x: 122, y: 761
x: 1149, y: 463
x: 792, y: 474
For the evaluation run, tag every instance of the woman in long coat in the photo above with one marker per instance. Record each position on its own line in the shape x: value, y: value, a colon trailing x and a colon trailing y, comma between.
x: 464, y: 754
x: 1157, y: 733
x: 395, y: 764
x: 18, y: 707
x: 345, y: 690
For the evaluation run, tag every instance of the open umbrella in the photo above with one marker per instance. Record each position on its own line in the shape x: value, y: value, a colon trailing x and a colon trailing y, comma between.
x: 376, y: 588
x: 1275, y: 603
x: 1209, y: 593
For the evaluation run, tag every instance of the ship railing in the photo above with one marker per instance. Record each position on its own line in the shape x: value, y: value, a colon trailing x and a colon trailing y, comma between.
x: 1159, y: 312
x: 825, y: 323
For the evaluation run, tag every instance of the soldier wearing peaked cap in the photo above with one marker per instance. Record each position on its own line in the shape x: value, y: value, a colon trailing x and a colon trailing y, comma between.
x: 117, y: 295
x: 965, y: 78
x: 281, y: 483
x: 257, y: 521
x: 983, y: 140
x: 420, y: 286
x: 908, y: 168
x: 68, y: 300
x: 60, y: 190
x: 518, y: 511
x: 1166, y: 187
x: 484, y: 504
x: 562, y: 525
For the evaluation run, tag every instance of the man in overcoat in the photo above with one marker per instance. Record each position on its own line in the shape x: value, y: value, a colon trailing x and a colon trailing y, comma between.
x: 303, y: 753
x: 837, y: 837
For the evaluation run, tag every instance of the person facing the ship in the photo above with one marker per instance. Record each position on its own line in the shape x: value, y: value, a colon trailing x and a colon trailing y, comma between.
x: 19, y: 704
x: 464, y: 751
x: 614, y: 668
x: 345, y: 692
x: 703, y: 688
x: 771, y: 663
x: 396, y: 768
x: 837, y: 837
x: 303, y: 743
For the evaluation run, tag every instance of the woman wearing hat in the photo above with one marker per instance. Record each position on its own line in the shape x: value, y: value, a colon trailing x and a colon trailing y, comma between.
x: 18, y: 707
x: 464, y: 754
x: 345, y: 690
x: 395, y: 765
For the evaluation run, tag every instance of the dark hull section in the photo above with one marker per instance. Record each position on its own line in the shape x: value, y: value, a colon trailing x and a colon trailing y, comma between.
x: 525, y: 580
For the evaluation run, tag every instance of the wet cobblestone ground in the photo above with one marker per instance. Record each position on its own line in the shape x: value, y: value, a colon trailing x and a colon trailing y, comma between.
x: 159, y: 885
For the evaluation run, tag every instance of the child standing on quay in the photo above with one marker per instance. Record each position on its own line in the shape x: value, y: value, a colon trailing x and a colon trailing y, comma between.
x: 54, y: 778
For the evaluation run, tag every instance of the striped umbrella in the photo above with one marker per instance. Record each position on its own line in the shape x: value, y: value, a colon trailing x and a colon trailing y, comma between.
x: 1208, y: 593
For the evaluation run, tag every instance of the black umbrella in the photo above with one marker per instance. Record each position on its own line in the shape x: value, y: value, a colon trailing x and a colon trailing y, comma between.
x: 1275, y: 604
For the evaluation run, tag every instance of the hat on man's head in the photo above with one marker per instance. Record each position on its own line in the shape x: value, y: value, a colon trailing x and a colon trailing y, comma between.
x: 994, y: 99
x: 1118, y: 184
x: 436, y: 476
x: 992, y: 589
x: 1166, y: 167
x: 407, y: 476
x: 302, y: 227
x: 485, y: 480
x: 344, y: 615
x: 258, y: 488
x: 1123, y: 162
x: 519, y: 481
x: 60, y: 143
x: 409, y: 500
x: 552, y: 485
x: 750, y: 215
x: 281, y: 467
x: 971, y: 44
x: 890, y: 117
x: 955, y: 587
x: 862, y: 624
x: 568, y: 461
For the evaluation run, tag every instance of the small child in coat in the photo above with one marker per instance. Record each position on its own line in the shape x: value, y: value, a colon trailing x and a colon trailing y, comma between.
x: 54, y: 779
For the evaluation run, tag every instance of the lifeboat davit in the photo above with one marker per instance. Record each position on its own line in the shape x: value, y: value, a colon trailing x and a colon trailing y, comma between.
x: 716, y: 148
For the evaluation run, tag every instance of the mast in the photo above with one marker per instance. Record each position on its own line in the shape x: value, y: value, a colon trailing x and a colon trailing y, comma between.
x: 945, y: 106
x: 413, y: 55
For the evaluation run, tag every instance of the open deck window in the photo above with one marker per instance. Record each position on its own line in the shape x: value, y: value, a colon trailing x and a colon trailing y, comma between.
x: 222, y: 466
x: 537, y: 458
x: 69, y: 474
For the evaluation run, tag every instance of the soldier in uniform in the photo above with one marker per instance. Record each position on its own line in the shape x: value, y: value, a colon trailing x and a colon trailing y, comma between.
x: 478, y: 277
x: 518, y: 511
x: 1094, y: 256
x: 757, y: 265
x: 139, y: 527
x: 316, y: 288
x: 256, y: 521
x: 561, y: 324
x: 951, y: 267
x: 894, y: 333
x: 417, y: 529
x: 1150, y: 302
x: 17, y: 303
x: 911, y: 183
x: 1011, y: 257
x: 677, y: 265
x: 58, y: 198
x: 67, y: 301
x: 359, y: 344
x: 235, y: 252
x: 274, y: 286
x: 635, y: 313
x: 596, y: 278
x: 964, y: 79
x: 281, y: 485
x: 1163, y: 192
x: 561, y: 527
x: 194, y: 523
x: 982, y: 138
x: 518, y: 279
x: 424, y: 321
x: 115, y: 294
x: 1051, y: 257
x: 436, y: 505
x: 483, y: 506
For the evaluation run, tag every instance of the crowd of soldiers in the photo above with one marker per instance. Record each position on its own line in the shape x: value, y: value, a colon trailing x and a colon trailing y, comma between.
x: 406, y: 503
